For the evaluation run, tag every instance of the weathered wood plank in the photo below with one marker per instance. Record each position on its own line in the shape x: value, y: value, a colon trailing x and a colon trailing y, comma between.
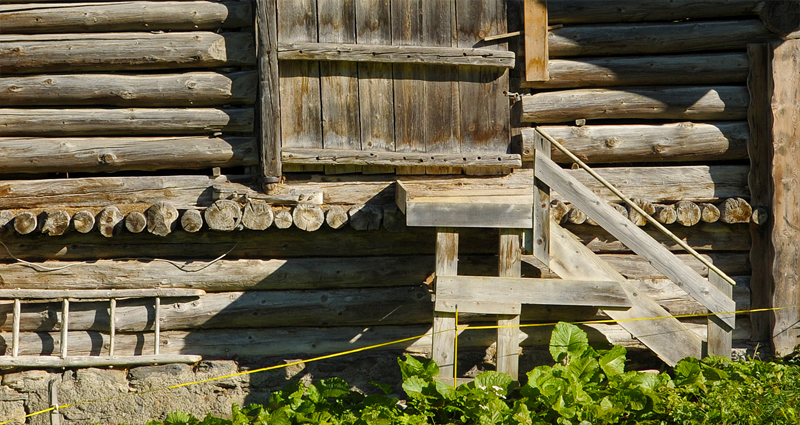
x: 444, y: 324
x: 405, y: 159
x: 635, y: 267
x: 269, y: 120
x: 674, y: 37
x: 667, y: 337
x: 646, y: 143
x: 675, y: 103
x: 536, y: 53
x: 593, y: 11
x: 50, y: 155
x: 509, y: 264
x: 83, y: 361
x: 382, y: 53
x: 83, y: 294
x: 703, y: 237
x: 511, y: 212
x: 703, y: 68
x: 375, y: 84
x: 123, y: 51
x: 719, y: 340
x: 636, y: 239
x: 124, y: 16
x: 124, y: 122
x: 158, y: 90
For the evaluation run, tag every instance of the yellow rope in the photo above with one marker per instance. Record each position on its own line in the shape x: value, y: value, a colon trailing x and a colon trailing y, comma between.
x: 374, y: 346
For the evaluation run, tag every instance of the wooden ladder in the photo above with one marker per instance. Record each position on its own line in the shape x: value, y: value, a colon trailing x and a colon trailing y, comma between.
x: 112, y: 295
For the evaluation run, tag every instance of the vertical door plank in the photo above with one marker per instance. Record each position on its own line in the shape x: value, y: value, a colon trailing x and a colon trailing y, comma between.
x: 541, y: 206
x: 444, y: 324
x: 341, y: 127
x: 301, y: 125
x: 375, y: 87
x: 536, y: 53
x: 485, y: 125
x: 720, y: 341
x: 509, y: 265
x: 269, y: 123
x: 409, y: 107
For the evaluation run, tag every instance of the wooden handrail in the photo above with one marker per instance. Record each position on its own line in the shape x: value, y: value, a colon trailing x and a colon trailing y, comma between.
x: 621, y: 196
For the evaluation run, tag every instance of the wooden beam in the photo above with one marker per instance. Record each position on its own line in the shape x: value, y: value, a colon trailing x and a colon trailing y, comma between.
x: 636, y: 239
x: 536, y: 57
x: 719, y: 340
x: 104, y: 154
x: 508, y: 290
x: 656, y: 38
x: 27, y: 54
x: 90, y: 294
x: 124, y: 16
x: 593, y: 11
x: 123, y: 122
x: 666, y: 103
x: 269, y: 118
x: 427, y: 55
x: 358, y: 157
x: 190, y: 89
x: 782, y: 17
x: 32, y: 361
x: 674, y: 142
x: 505, y: 212
x: 718, y: 237
x: 701, y: 68
x: 509, y: 262
x: 444, y: 324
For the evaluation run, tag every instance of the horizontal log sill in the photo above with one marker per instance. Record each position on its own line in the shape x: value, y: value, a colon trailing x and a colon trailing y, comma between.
x: 95, y: 361
x: 354, y: 157
x: 93, y: 294
x: 427, y: 55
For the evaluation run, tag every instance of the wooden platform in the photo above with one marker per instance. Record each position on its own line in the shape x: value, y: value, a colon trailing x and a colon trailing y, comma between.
x: 500, y: 208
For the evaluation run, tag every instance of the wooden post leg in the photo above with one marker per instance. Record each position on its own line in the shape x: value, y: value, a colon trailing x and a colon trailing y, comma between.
x: 444, y: 323
x: 113, y: 326
x: 541, y: 207
x: 720, y: 341
x: 15, y: 329
x: 510, y: 265
x: 55, y: 415
x: 158, y: 326
x: 64, y: 327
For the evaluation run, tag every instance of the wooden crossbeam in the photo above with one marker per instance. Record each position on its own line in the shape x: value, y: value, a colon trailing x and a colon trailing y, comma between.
x: 95, y: 361
x: 92, y: 294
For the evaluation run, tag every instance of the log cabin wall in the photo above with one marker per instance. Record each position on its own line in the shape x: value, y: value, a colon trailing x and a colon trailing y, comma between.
x: 655, y: 96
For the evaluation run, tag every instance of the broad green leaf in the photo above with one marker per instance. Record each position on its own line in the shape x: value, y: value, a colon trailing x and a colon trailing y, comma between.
x: 445, y: 391
x: 494, y: 381
x: 613, y: 362
x: 567, y: 340
x: 414, y: 385
x: 413, y: 366
x: 180, y: 418
x: 332, y: 388
x: 583, y: 369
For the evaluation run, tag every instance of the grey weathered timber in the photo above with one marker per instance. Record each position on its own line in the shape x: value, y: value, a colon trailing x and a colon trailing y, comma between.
x: 27, y: 54
x: 636, y: 239
x: 283, y: 218
x: 83, y: 361
x: 269, y: 119
x: 735, y: 210
x: 702, y: 68
x: 102, y: 191
x: 123, y: 122
x: 428, y: 55
x: 257, y: 215
x: 93, y: 154
x: 720, y: 340
x: 682, y: 142
x: 223, y: 215
x: 189, y: 89
x: 365, y: 217
x: 301, y: 124
x: 284, y: 194
x: 124, y: 16
x: 674, y: 103
x: 688, y: 213
x: 341, y: 125
x: 704, y: 237
x: 541, y: 207
x: 308, y: 217
x: 135, y: 222
x: 192, y: 220
x: 83, y: 221
x: 56, y: 222
x: 93, y: 294
x: 593, y: 11
x: 162, y: 218
x: 676, y: 37
x: 375, y: 83
x: 709, y: 213
x: 635, y: 217
x: 509, y: 265
x: 666, y: 336
x: 782, y: 17
x: 535, y: 30
x: 444, y: 324
x: 110, y: 221
x: 25, y: 222
x: 635, y: 267
x: 336, y: 217
x: 473, y: 291
x: 400, y: 159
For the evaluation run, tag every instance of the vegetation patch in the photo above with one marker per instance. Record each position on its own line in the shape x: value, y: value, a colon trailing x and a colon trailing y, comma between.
x: 584, y: 387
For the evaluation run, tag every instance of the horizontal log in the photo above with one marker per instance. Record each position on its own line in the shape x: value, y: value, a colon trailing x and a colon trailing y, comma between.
x: 698, y: 183
x: 593, y: 11
x: 104, y: 154
x: 124, y: 122
x: 96, y: 361
x: 124, y: 16
x: 356, y: 157
x: 230, y: 343
x: 28, y: 54
x: 427, y: 55
x: 782, y: 17
x: 635, y: 267
x: 158, y: 90
x: 703, y: 237
x: 655, y: 38
x: 682, y: 142
x: 83, y: 294
x: 719, y: 68
x: 663, y: 103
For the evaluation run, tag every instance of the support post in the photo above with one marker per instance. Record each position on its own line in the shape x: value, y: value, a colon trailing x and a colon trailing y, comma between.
x: 444, y: 323
x: 269, y: 123
x: 536, y: 54
x: 64, y: 327
x: 15, y: 328
x: 774, y: 85
x: 509, y: 265
x: 720, y: 341
x: 55, y: 415
x: 157, y: 326
x: 112, y: 331
x: 541, y: 206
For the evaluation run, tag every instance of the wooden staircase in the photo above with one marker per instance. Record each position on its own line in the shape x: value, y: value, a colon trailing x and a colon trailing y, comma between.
x: 586, y: 280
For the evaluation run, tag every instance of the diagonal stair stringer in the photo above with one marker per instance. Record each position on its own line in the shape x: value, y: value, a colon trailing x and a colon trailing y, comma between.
x: 666, y: 336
